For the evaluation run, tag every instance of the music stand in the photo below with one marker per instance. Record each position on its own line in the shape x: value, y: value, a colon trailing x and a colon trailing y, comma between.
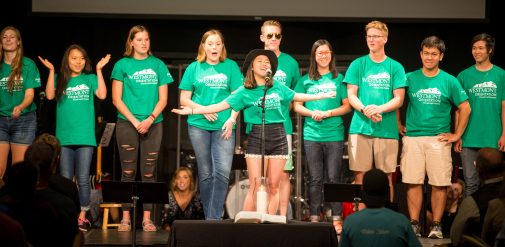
x: 147, y: 192
x: 343, y: 193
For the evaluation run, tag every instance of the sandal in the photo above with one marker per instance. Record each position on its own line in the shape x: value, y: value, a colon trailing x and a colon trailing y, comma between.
x: 124, y: 226
x: 148, y: 226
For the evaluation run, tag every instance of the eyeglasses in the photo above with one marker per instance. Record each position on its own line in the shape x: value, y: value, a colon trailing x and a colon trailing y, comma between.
x: 277, y: 35
x: 323, y: 53
x: 373, y: 36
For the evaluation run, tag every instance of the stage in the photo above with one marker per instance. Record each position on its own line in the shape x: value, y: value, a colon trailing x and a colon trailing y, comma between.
x: 111, y: 237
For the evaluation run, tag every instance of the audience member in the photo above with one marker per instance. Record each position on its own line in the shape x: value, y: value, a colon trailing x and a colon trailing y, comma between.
x: 376, y: 225
x: 470, y: 217
x: 184, y: 201
x: 495, y: 216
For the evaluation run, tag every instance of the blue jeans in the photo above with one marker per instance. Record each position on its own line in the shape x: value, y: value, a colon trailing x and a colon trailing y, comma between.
x: 324, y: 163
x: 214, y: 156
x: 472, y: 181
x: 76, y: 161
x: 20, y: 131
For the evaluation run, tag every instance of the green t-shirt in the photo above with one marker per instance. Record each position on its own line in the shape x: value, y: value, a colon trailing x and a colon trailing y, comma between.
x: 250, y: 100
x: 330, y: 129
x: 378, y: 227
x: 141, y: 79
x: 75, y: 112
x: 486, y: 92
x: 288, y: 74
x: 30, y: 78
x: 376, y: 82
x: 211, y: 84
x: 431, y: 101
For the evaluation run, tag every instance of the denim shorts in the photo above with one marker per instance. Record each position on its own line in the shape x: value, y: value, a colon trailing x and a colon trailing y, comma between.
x: 276, y: 143
x: 20, y: 130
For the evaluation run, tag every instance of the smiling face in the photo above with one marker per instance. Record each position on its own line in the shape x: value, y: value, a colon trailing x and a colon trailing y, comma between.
x: 260, y: 65
x: 375, y: 39
x: 431, y: 57
x: 76, y: 62
x: 480, y: 52
x: 213, y: 47
x: 141, y: 44
x: 182, y: 181
x: 323, y: 57
x: 10, y: 41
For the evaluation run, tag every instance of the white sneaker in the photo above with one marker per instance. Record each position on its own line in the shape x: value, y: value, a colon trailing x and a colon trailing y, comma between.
x: 436, y: 232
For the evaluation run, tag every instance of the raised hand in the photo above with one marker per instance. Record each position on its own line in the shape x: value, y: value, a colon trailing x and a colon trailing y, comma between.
x: 102, y: 62
x: 46, y: 63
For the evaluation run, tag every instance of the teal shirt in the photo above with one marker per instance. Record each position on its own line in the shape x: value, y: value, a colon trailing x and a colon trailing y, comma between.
x: 141, y: 79
x: 378, y: 227
x: 431, y: 101
x: 211, y: 84
x: 75, y: 112
x: 329, y: 129
x: 376, y: 82
x: 485, y: 90
x: 277, y: 97
x: 30, y: 78
x: 288, y: 74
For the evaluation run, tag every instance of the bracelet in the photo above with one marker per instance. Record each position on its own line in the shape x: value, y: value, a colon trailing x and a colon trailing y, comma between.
x: 362, y: 110
x: 152, y: 116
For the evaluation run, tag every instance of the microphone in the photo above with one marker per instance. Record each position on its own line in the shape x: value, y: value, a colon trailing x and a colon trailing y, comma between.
x: 268, y: 76
x: 42, y: 95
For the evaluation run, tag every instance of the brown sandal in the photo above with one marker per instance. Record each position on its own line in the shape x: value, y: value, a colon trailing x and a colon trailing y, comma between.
x: 148, y: 226
x: 124, y: 226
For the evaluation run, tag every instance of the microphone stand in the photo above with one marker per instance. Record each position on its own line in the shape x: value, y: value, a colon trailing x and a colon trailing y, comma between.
x: 261, y: 192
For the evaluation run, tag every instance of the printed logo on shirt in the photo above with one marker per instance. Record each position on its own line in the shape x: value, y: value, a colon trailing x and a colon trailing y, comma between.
x: 144, y: 77
x: 18, y: 84
x: 217, y: 81
x: 281, y: 76
x: 79, y: 92
x: 484, y: 90
x: 273, y: 101
x: 378, y: 81
x: 429, y: 96
x: 322, y: 88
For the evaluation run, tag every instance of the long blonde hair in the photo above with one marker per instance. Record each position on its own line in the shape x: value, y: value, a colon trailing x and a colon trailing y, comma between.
x: 201, y: 48
x: 192, y: 184
x: 131, y: 35
x: 17, y: 62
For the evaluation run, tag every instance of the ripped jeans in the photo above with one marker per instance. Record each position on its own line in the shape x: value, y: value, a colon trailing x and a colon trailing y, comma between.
x: 129, y: 141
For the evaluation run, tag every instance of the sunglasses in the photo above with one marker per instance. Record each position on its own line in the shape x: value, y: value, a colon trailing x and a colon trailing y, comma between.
x: 277, y: 35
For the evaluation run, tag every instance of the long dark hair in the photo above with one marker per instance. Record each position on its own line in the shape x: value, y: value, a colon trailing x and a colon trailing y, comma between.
x: 313, y: 72
x: 65, y: 72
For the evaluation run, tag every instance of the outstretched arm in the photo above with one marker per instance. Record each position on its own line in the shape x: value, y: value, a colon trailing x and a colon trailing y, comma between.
x: 185, y: 110
x: 310, y: 97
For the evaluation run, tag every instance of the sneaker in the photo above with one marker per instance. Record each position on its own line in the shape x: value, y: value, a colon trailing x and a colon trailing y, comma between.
x: 84, y: 224
x: 436, y: 231
x: 416, y: 227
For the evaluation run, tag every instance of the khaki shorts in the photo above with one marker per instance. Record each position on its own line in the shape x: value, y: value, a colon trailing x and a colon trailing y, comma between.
x: 425, y: 154
x: 367, y: 150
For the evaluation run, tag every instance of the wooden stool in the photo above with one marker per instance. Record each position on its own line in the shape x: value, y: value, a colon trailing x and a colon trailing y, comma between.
x: 106, y: 207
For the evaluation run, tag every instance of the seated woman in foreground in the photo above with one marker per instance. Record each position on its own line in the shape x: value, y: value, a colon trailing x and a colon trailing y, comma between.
x: 184, y: 201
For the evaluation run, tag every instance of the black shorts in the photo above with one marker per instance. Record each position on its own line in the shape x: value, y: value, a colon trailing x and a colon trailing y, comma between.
x: 276, y: 143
